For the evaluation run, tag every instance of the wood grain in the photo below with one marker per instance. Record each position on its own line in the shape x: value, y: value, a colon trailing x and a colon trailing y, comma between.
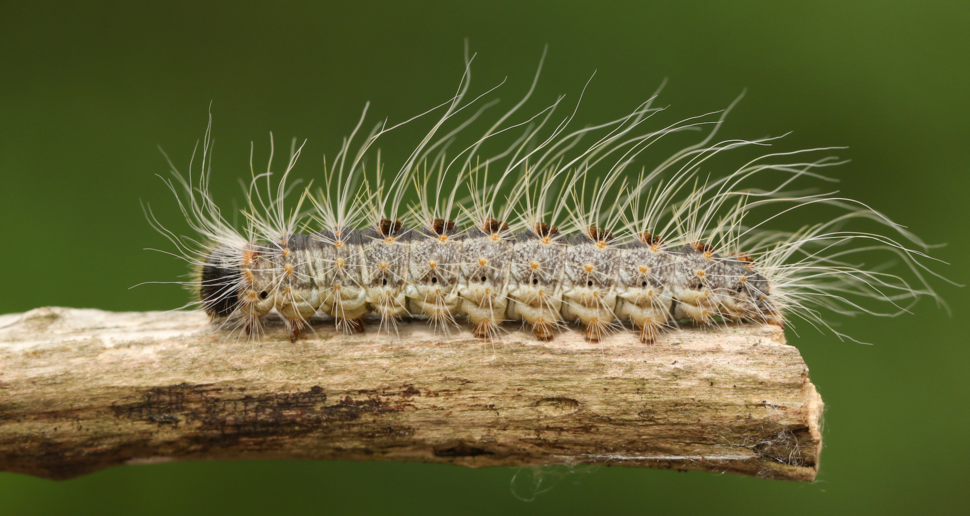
x: 82, y: 390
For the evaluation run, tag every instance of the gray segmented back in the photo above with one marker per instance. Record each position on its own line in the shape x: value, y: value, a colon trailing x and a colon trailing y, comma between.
x: 544, y: 280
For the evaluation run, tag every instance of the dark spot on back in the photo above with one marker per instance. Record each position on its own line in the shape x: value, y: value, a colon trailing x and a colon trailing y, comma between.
x: 494, y: 226
x: 701, y: 247
x: 388, y: 228
x: 649, y: 239
x: 542, y: 229
x: 599, y: 234
x: 441, y: 226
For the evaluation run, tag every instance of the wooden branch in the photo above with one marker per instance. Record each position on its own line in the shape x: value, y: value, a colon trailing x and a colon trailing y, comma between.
x: 82, y: 390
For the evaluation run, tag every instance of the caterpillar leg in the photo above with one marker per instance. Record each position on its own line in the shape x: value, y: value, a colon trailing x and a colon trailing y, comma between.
x: 388, y: 304
x: 439, y: 308
x: 295, y: 326
x: 591, y: 309
x: 700, y: 314
x: 441, y: 317
x: 248, y: 324
x: 251, y: 325
x: 347, y: 307
x: 648, y: 334
x: 486, y: 330
x: 595, y: 329
x: 648, y: 313
x: 486, y: 312
x: 542, y: 324
x: 536, y: 308
x: 543, y: 330
x: 350, y: 325
x: 296, y: 311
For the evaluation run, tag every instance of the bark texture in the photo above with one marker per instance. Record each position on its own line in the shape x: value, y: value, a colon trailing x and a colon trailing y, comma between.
x: 82, y: 390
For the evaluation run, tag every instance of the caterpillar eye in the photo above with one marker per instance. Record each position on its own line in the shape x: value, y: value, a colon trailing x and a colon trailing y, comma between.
x: 384, y: 281
x: 263, y: 294
x: 484, y: 279
x: 434, y: 279
x: 589, y: 283
x: 535, y: 281
x: 644, y: 284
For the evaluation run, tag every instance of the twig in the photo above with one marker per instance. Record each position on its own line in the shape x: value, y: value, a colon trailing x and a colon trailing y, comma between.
x: 82, y: 390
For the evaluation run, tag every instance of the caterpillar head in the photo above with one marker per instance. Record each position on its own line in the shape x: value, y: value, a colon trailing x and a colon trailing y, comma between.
x: 219, y: 282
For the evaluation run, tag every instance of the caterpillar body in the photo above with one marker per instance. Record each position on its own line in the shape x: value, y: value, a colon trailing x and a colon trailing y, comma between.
x: 545, y: 231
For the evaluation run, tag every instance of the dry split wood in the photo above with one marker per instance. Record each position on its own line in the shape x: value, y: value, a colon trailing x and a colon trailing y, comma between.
x: 82, y: 390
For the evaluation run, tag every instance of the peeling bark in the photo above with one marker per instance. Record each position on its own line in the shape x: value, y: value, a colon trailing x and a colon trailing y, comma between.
x: 82, y: 390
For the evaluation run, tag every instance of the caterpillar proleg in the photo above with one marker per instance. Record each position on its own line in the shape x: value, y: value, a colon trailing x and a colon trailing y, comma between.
x: 543, y: 224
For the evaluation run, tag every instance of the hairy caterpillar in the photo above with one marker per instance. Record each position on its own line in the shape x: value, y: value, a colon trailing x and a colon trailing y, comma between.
x: 555, y: 226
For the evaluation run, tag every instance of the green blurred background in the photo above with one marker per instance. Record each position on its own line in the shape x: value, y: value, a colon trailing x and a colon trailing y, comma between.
x: 88, y: 91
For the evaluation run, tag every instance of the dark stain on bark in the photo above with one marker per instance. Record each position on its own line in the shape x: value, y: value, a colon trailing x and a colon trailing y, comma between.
x: 50, y: 458
x: 213, y: 420
x: 222, y: 421
x: 218, y: 421
x: 222, y: 417
x: 461, y: 449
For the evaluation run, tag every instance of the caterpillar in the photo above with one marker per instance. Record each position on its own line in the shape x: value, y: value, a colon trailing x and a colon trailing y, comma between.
x: 537, y: 223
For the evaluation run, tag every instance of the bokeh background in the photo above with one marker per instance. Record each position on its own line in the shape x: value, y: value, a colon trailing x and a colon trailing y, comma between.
x: 88, y: 90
